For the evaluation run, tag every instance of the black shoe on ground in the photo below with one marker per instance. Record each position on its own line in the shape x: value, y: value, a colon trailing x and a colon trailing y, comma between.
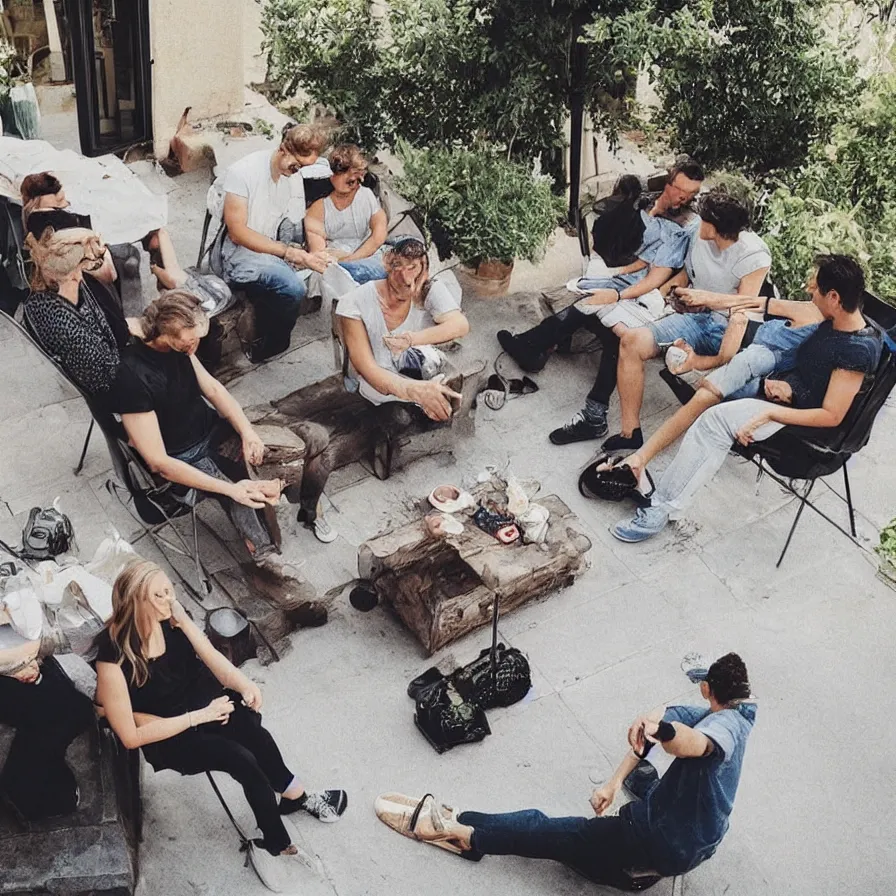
x: 325, y: 805
x: 620, y: 442
x: 529, y: 360
x: 578, y: 430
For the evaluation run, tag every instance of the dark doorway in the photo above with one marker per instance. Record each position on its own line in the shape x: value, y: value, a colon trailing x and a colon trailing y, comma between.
x: 110, y: 59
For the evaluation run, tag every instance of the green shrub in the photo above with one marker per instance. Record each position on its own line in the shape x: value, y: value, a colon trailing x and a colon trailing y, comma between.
x: 487, y: 206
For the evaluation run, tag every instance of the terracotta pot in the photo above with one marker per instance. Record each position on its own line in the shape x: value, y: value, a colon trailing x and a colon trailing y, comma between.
x: 490, y: 278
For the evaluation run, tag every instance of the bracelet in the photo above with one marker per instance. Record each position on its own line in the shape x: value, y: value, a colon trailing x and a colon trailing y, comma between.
x: 190, y: 719
x: 665, y: 732
x: 618, y: 295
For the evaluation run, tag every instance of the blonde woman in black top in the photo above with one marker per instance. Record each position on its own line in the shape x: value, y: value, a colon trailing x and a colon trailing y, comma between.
x: 166, y: 690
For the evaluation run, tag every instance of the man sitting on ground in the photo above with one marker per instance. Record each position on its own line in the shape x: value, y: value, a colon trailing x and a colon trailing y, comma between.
x: 391, y: 327
x: 680, y: 822
x: 161, y: 394
x: 349, y: 224
x: 264, y: 207
x: 667, y: 229
x: 832, y: 365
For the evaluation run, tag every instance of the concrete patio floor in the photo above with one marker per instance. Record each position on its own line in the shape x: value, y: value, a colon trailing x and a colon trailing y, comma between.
x: 816, y: 635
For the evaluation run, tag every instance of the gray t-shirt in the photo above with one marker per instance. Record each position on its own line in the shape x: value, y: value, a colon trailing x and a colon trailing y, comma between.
x: 363, y: 304
x: 349, y: 227
x: 721, y: 271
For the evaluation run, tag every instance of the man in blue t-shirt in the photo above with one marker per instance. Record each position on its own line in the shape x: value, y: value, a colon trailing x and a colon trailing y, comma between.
x: 678, y: 824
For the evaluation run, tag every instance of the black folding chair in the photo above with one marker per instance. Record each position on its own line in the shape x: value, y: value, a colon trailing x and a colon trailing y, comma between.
x: 153, y: 502
x: 808, y: 454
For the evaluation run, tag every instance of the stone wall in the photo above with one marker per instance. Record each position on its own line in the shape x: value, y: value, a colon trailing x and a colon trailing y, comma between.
x: 198, y: 61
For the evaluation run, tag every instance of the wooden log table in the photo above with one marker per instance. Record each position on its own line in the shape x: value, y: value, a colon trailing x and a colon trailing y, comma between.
x: 442, y: 588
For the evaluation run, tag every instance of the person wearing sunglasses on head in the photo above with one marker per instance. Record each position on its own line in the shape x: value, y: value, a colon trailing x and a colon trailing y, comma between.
x: 349, y: 223
x: 73, y: 315
x: 390, y: 328
x: 41, y: 703
x: 264, y: 210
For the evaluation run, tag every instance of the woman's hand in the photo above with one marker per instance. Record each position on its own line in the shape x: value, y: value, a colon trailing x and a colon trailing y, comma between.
x: 218, y: 710
x: 745, y: 433
x: 178, y: 613
x: 434, y: 397
x: 251, y: 694
x: 690, y: 299
x: 253, y: 447
x: 601, y: 297
x: 398, y: 342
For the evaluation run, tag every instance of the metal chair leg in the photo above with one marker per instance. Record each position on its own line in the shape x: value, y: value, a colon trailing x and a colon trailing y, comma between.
x: 796, y: 519
x: 852, y: 512
x: 84, y: 449
x: 201, y: 574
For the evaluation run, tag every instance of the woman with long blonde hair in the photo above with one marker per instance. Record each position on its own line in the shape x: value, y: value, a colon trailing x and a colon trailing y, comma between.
x: 166, y: 690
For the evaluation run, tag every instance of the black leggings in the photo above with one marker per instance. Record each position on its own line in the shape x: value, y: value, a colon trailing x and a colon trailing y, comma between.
x: 244, y: 750
x: 47, y: 717
x: 559, y: 327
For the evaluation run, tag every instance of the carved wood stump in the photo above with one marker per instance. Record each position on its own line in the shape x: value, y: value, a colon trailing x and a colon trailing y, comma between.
x: 443, y: 588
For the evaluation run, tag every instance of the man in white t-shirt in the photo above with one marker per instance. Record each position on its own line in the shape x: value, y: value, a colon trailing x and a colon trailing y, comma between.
x: 726, y: 262
x: 264, y: 207
x: 387, y: 322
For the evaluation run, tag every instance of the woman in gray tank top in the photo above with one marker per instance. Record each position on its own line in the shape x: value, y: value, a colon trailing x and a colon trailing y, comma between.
x: 349, y: 223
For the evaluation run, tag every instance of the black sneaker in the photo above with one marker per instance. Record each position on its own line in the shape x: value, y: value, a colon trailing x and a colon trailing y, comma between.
x: 324, y: 805
x: 579, y: 430
x: 529, y: 360
x: 619, y: 442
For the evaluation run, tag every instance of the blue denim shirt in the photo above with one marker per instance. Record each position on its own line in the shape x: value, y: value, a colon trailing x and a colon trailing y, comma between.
x: 685, y: 816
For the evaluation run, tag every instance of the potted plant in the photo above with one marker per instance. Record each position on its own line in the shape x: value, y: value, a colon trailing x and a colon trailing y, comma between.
x: 481, y: 207
x: 886, y: 552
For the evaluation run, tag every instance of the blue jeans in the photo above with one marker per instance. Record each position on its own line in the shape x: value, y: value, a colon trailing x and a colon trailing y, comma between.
x: 365, y: 269
x: 702, y: 330
x: 275, y: 289
x: 704, y: 449
x: 773, y: 349
x: 598, y: 848
x: 205, y: 456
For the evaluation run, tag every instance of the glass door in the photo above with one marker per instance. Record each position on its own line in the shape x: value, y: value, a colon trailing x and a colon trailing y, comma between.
x: 110, y: 55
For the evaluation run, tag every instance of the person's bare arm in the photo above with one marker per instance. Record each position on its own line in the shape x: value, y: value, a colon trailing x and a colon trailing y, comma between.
x: 800, y: 313
x: 678, y: 279
x: 224, y: 671
x: 452, y: 325
x: 731, y: 343
x: 315, y: 232
x: 431, y: 395
x: 236, y: 217
x: 144, y: 434
x: 229, y: 408
x: 112, y: 694
x: 633, y: 268
x: 653, y: 279
x: 379, y: 230
x: 843, y: 387
x: 718, y: 301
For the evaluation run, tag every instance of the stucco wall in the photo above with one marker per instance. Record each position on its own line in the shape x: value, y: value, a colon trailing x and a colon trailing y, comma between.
x: 197, y: 48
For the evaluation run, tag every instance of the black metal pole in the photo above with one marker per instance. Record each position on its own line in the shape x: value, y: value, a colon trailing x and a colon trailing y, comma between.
x: 576, y: 120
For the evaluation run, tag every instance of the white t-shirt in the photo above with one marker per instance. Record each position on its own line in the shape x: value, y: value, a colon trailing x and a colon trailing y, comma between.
x: 269, y: 202
x: 363, y: 304
x: 348, y: 228
x: 722, y: 270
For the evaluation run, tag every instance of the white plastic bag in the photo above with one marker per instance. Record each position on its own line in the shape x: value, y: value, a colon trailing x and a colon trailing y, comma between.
x: 111, y: 557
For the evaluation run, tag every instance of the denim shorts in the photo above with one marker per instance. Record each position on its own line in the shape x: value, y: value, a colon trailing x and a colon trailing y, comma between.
x: 702, y: 330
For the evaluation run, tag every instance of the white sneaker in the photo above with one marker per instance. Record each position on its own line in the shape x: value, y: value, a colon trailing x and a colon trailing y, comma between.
x: 323, y: 531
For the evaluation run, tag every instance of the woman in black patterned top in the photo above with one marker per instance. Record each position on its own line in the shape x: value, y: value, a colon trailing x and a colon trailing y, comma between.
x: 73, y: 315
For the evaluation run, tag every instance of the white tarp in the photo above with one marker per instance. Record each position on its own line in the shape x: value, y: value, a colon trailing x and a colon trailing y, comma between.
x: 121, y: 207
